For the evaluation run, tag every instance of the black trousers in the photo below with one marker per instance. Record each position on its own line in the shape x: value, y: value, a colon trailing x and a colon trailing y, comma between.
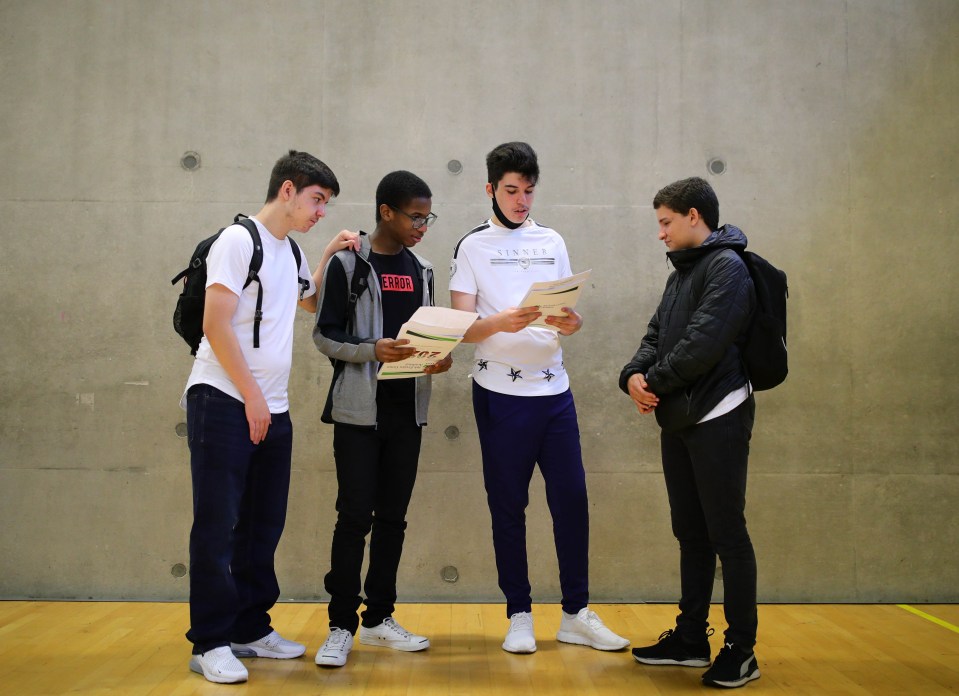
x: 705, y: 469
x: 375, y: 474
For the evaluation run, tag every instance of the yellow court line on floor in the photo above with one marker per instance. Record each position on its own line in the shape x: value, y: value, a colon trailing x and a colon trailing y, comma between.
x: 929, y: 617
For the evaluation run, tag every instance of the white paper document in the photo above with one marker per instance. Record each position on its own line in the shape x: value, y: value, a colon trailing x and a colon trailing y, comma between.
x: 552, y: 295
x: 434, y: 332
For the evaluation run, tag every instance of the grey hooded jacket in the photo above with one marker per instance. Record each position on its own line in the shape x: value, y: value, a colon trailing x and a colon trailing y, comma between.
x: 354, y: 392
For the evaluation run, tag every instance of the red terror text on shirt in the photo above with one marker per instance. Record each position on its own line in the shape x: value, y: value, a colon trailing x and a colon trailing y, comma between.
x: 397, y: 283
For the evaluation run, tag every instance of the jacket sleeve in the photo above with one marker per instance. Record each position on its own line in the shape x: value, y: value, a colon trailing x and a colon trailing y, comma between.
x: 329, y: 331
x: 721, y: 315
x: 645, y: 356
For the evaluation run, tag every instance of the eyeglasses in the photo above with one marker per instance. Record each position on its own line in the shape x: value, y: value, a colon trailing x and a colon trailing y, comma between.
x: 417, y: 220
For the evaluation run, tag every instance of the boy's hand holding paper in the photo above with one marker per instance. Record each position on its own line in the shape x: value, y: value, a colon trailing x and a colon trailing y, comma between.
x: 432, y: 333
x: 551, y: 296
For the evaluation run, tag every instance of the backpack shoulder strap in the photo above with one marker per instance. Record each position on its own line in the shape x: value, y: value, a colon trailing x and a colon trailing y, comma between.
x: 298, y: 255
x: 359, y: 282
x: 256, y: 262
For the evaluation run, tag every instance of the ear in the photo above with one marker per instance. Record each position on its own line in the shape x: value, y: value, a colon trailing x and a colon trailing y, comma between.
x: 287, y: 190
x: 386, y: 212
x: 694, y: 217
x: 489, y: 189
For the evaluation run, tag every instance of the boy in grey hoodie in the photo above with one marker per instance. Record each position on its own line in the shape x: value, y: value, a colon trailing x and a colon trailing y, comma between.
x: 377, y: 425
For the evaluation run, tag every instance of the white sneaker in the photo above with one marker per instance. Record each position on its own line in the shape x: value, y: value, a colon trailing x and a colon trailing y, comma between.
x: 519, y: 638
x: 334, y: 651
x: 585, y: 628
x: 271, y: 645
x: 390, y: 634
x: 219, y: 666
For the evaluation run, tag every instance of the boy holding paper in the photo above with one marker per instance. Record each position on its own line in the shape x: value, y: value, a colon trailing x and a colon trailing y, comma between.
x: 377, y: 424
x: 523, y: 405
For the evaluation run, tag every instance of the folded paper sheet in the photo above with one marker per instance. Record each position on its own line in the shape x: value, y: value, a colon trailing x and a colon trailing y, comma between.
x: 552, y: 295
x: 434, y: 332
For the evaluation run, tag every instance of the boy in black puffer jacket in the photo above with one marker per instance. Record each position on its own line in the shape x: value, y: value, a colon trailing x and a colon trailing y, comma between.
x: 689, y: 372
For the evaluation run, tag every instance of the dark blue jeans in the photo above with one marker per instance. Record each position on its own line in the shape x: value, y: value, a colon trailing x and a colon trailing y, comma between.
x: 375, y: 474
x: 516, y: 433
x: 239, y: 508
x: 705, y: 469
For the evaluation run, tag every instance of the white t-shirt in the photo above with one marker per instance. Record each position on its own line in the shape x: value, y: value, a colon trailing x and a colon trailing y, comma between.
x: 729, y: 402
x: 498, y: 265
x: 228, y: 265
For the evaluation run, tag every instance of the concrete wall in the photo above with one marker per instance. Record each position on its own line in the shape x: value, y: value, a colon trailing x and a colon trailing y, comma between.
x: 837, y: 125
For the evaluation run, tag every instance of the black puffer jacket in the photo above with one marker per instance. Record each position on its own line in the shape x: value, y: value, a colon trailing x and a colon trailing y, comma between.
x: 690, y: 354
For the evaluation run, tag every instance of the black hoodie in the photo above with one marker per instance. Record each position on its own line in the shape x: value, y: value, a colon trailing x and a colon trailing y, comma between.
x: 690, y: 354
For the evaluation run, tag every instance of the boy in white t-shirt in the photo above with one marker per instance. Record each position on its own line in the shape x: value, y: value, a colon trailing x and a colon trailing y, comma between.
x: 239, y: 429
x: 523, y: 405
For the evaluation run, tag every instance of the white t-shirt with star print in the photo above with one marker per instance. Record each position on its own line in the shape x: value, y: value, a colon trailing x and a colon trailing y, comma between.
x: 498, y: 265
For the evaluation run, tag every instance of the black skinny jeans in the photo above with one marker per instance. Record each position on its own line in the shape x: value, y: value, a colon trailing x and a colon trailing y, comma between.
x: 375, y: 474
x: 705, y: 469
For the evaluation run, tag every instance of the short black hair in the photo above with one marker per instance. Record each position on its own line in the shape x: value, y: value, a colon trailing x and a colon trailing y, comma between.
x: 512, y: 157
x: 304, y: 170
x: 398, y: 188
x: 683, y: 195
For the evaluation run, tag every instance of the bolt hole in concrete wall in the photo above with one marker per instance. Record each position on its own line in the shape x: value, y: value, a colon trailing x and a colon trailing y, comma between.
x: 181, y: 430
x: 450, y: 574
x: 454, y: 166
x: 190, y: 160
x: 178, y: 570
x: 452, y: 432
x: 716, y: 166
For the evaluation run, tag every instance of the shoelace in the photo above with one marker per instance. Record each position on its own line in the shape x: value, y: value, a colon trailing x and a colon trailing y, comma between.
x: 593, y: 621
x: 397, y: 628
x: 337, y: 639
x: 272, y: 640
x: 668, y: 632
x: 521, y: 621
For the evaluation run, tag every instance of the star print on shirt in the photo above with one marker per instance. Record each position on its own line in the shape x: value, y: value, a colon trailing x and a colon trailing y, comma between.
x: 549, y: 375
x: 483, y: 364
x: 515, y: 374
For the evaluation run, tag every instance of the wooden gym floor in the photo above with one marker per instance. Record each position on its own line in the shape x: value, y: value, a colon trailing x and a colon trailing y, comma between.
x: 139, y: 648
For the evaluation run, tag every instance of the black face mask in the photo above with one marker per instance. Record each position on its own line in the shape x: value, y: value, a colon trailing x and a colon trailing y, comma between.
x: 503, y: 219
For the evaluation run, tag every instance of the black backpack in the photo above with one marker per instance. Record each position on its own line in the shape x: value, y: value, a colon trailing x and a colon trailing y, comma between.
x: 188, y: 315
x: 764, y: 352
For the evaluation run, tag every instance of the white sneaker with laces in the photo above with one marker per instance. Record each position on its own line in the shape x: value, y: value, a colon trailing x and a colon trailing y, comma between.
x: 335, y: 649
x: 585, y: 628
x: 271, y: 645
x: 219, y: 666
x: 519, y: 638
x: 390, y: 634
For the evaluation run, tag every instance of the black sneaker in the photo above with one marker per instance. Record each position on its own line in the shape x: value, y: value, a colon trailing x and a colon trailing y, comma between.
x: 673, y: 649
x: 733, y: 667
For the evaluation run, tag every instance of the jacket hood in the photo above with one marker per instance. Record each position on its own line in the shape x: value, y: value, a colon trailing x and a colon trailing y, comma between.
x: 366, y: 247
x: 726, y: 237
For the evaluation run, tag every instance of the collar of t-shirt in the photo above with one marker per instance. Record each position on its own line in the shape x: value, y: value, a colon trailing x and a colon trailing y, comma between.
x: 501, y: 228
